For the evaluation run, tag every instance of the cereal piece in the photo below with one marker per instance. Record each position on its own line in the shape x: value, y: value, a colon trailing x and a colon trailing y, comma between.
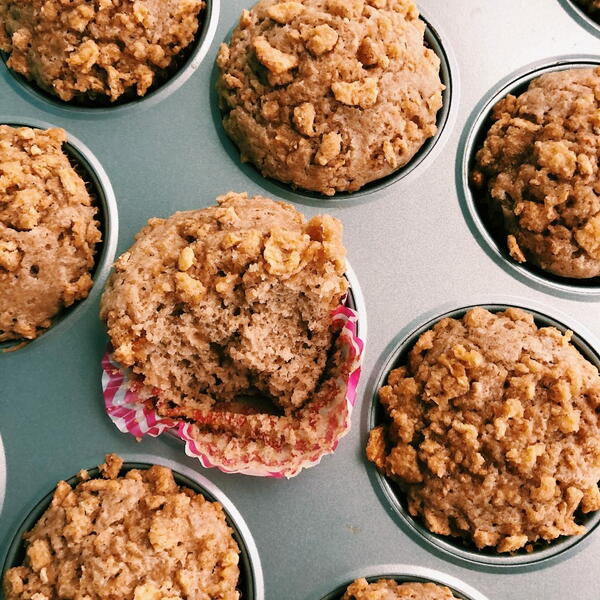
x: 540, y: 172
x: 388, y: 589
x: 47, y: 231
x: 487, y: 484
x: 358, y: 93
x: 557, y: 158
x: 102, y: 48
x: 331, y: 144
x: 588, y: 237
x: 346, y: 8
x: 109, y: 527
x: 275, y: 60
x: 304, y: 118
x: 299, y: 74
x: 186, y: 259
x: 284, y: 12
x: 321, y: 39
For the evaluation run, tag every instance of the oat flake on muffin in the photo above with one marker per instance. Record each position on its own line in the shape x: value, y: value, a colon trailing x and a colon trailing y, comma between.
x: 135, y: 537
x: 539, y: 165
x: 47, y: 231
x: 494, y: 433
x: 388, y: 589
x: 100, y: 48
x: 329, y: 95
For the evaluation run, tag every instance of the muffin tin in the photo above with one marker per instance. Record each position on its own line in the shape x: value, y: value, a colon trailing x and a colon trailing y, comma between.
x: 415, y: 255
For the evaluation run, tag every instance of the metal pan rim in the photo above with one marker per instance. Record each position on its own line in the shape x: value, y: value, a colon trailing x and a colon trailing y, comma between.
x: 189, y: 477
x: 557, y: 550
x: 107, y: 203
x: 466, y: 151
x: 423, y: 158
x: 581, y: 16
x: 39, y: 97
x: 406, y: 573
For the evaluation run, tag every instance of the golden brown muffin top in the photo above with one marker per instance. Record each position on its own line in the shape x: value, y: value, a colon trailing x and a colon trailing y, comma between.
x: 47, y: 231
x: 329, y: 95
x: 493, y: 432
x: 135, y: 537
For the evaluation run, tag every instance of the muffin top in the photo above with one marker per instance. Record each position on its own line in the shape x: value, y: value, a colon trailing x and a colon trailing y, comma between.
x: 136, y: 537
x: 539, y: 165
x: 104, y: 47
x: 329, y: 95
x: 388, y: 589
x: 232, y: 300
x: 47, y: 231
x: 493, y: 431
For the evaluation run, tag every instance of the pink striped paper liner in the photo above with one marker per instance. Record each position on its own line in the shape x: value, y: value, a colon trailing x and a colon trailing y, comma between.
x: 131, y: 415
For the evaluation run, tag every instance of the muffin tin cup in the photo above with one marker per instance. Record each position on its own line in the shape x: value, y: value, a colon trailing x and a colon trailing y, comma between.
x: 391, y: 496
x: 406, y: 574
x: 581, y: 16
x: 474, y: 205
x: 193, y: 56
x: 103, y: 195
x: 251, y: 582
x: 130, y: 415
x: 446, y: 117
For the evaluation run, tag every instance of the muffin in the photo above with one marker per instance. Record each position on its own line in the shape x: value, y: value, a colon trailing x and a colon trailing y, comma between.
x: 492, y: 432
x: 135, y: 537
x: 590, y: 7
x: 100, y: 49
x: 48, y: 232
x: 231, y: 322
x: 329, y: 95
x: 232, y: 300
x: 388, y: 589
x: 539, y: 169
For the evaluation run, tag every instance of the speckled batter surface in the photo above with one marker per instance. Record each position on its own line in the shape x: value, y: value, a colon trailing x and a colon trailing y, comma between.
x: 329, y: 95
x: 231, y: 300
x: 47, y: 231
x: 99, y: 48
x: 539, y: 165
x: 388, y: 589
x: 136, y: 537
x: 493, y: 431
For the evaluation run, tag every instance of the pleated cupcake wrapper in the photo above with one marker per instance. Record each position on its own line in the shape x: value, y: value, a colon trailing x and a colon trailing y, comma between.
x: 132, y: 415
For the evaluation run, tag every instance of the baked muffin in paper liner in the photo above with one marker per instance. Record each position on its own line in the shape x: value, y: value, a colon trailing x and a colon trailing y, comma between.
x: 260, y: 445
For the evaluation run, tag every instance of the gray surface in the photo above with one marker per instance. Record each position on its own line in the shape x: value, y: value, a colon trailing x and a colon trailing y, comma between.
x: 413, y: 253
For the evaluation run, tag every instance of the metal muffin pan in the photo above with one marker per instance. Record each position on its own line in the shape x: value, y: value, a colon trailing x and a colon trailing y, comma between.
x: 414, y: 256
x: 175, y: 76
x: 251, y: 583
x: 405, y: 574
x: 576, y: 10
x: 475, y: 206
x: 543, y: 554
x: 101, y: 191
x: 446, y: 117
